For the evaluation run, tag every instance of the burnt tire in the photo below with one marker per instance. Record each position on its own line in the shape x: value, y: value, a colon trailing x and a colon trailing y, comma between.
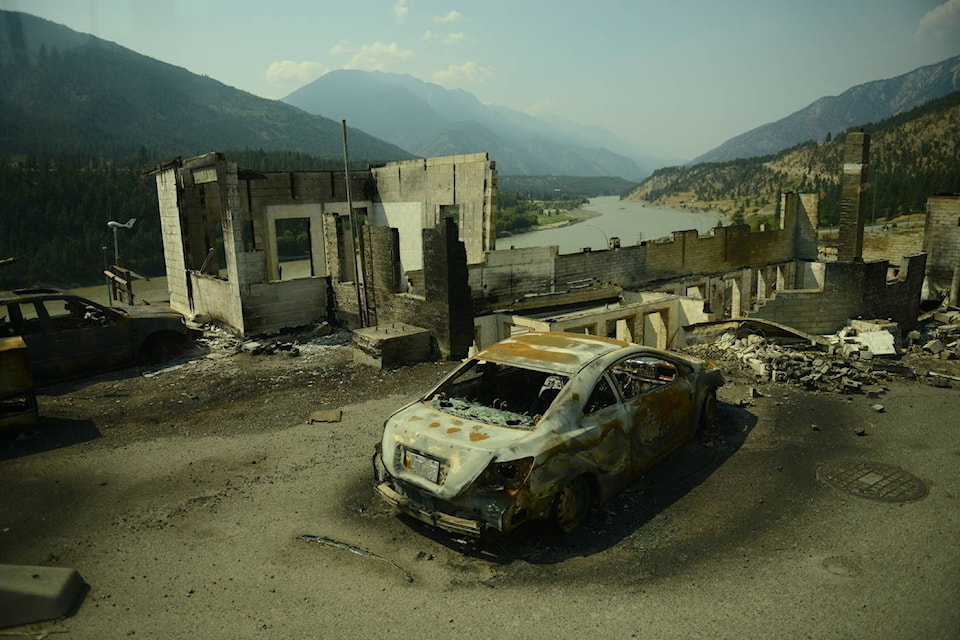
x: 708, y: 410
x: 161, y: 347
x: 572, y: 505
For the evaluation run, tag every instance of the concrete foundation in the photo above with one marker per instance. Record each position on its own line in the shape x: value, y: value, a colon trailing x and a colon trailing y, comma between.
x: 386, y: 346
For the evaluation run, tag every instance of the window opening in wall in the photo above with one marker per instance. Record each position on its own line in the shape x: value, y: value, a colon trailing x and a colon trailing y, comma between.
x: 217, y: 250
x: 293, y: 248
x: 450, y: 211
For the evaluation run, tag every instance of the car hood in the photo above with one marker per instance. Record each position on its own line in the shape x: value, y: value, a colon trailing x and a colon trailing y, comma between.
x: 149, y: 311
x: 463, y: 447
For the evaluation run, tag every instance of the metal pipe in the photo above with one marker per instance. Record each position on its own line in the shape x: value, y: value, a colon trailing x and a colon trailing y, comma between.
x: 357, y: 237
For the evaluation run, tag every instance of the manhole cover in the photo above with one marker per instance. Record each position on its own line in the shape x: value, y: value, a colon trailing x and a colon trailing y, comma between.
x: 873, y: 480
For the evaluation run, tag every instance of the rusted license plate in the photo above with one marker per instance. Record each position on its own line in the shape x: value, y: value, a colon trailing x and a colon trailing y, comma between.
x: 423, y: 466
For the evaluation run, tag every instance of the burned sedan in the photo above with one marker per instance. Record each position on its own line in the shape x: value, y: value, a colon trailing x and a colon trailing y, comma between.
x: 540, y: 426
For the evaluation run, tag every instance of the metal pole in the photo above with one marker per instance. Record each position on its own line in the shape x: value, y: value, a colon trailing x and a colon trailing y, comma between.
x: 103, y: 250
x: 116, y: 249
x: 354, y: 228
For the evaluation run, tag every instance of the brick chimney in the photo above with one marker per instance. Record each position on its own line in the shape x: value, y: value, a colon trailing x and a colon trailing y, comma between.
x: 856, y: 166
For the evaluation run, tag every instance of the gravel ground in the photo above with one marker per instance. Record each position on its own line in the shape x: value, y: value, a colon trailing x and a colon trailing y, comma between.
x: 179, y: 495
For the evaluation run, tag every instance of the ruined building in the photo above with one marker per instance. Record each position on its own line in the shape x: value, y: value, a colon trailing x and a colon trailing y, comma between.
x: 419, y: 248
x: 220, y: 241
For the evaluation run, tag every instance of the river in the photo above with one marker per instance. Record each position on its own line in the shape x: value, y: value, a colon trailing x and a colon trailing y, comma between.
x: 613, y: 217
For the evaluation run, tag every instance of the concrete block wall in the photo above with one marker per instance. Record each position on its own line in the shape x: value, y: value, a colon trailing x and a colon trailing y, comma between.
x: 446, y: 308
x: 217, y: 299
x: 941, y: 240
x: 466, y: 182
x: 172, y: 238
x: 506, y: 275
x: 275, y: 306
x: 850, y: 290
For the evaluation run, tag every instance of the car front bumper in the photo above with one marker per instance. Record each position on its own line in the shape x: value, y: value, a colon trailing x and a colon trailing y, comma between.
x: 444, y: 521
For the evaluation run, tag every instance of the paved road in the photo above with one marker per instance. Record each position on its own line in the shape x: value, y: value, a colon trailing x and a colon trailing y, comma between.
x: 192, y: 534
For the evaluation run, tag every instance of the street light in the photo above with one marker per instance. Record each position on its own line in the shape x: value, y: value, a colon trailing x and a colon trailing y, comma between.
x: 113, y: 224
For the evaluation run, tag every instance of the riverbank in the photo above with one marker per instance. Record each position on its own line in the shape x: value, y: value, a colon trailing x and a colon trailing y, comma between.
x: 609, y: 217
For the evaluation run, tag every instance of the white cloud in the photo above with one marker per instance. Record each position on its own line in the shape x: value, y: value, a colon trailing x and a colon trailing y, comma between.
x: 466, y: 73
x: 452, y: 16
x: 427, y: 35
x: 341, y: 47
x: 288, y: 72
x: 453, y: 38
x: 940, y: 21
x: 377, y: 56
x: 400, y: 10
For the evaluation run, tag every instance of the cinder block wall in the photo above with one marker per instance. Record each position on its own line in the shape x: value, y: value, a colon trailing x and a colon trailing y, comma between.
x: 466, y: 182
x: 508, y: 274
x: 851, y: 290
x: 446, y: 308
x: 941, y: 239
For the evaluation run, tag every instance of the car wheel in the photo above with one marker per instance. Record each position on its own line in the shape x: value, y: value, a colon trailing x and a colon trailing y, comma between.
x: 708, y: 410
x: 160, y: 348
x: 572, y: 505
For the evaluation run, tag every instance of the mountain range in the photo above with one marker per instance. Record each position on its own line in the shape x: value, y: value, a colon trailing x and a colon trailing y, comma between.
x: 913, y: 155
x: 857, y: 106
x: 64, y: 91
x: 428, y: 120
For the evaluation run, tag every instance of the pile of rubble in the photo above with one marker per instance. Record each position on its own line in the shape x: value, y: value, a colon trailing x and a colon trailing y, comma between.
x: 817, y: 367
x: 858, y: 359
x: 938, y: 335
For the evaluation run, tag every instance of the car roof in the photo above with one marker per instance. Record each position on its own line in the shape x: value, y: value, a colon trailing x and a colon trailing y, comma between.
x: 551, y: 351
x: 23, y: 295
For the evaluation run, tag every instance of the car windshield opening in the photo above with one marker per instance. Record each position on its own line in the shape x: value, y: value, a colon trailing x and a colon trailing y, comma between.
x: 498, y: 394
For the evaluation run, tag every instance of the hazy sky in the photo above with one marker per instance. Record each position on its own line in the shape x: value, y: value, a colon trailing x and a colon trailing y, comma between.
x: 673, y: 77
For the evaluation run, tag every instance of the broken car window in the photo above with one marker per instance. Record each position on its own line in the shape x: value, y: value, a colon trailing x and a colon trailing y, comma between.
x: 498, y: 394
x: 638, y: 375
x: 602, y: 397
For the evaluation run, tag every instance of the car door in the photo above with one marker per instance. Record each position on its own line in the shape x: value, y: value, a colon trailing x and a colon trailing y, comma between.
x: 659, y: 404
x: 85, y: 336
x: 32, y: 325
x: 603, y: 437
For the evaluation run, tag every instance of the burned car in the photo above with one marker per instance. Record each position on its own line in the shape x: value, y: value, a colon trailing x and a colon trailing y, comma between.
x: 69, y: 336
x: 540, y: 426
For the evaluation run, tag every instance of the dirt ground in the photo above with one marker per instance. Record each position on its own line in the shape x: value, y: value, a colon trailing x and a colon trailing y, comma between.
x: 179, y: 495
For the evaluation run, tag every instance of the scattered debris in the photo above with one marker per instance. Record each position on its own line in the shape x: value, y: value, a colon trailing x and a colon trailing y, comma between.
x: 330, y: 415
x: 363, y: 553
x: 877, y: 407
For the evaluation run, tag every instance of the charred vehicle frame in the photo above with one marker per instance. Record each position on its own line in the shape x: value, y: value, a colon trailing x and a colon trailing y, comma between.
x: 540, y: 426
x: 68, y: 336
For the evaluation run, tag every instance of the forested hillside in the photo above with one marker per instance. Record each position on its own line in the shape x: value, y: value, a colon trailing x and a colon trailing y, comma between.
x: 65, y: 92
x: 54, y: 211
x: 912, y: 156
